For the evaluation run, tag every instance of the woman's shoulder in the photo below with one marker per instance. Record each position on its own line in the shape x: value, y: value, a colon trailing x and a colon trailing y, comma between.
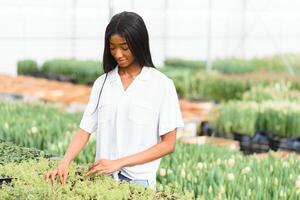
x: 158, y: 76
x: 99, y: 81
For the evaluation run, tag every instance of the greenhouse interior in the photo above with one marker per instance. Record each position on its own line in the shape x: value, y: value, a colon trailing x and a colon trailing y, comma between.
x: 216, y: 84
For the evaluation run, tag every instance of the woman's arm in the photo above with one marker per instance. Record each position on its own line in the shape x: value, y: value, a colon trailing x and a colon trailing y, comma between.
x: 78, y: 142
x: 166, y: 146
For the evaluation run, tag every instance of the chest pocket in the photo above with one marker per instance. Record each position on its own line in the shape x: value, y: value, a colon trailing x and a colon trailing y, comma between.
x: 106, y: 113
x: 141, y: 113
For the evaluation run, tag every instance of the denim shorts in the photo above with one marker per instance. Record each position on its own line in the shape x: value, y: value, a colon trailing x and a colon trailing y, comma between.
x: 142, y: 182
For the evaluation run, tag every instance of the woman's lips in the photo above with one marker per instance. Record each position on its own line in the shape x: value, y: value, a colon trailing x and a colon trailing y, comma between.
x: 121, y: 61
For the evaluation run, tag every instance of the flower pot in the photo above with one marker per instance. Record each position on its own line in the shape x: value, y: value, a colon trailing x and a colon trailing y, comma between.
x: 5, y: 181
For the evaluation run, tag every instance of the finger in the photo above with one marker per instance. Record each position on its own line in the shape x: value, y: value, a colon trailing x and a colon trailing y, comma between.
x: 99, y: 172
x: 94, y: 170
x: 60, y: 174
x: 95, y: 164
x: 46, y: 176
x: 65, y: 175
x: 90, y: 172
x: 62, y: 178
x: 52, y: 176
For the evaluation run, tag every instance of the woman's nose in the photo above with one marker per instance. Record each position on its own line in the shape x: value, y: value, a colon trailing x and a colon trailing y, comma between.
x: 119, y: 53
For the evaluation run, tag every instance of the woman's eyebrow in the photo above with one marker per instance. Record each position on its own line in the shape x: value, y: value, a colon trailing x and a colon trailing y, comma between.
x: 118, y: 43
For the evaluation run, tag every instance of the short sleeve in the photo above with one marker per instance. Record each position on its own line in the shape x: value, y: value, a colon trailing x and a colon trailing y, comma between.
x: 169, y: 114
x: 89, y: 120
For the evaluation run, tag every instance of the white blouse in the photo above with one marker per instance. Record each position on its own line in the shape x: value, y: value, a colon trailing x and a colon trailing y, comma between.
x: 131, y: 121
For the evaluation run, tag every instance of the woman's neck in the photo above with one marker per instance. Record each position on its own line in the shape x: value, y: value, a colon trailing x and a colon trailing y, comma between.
x: 131, y: 71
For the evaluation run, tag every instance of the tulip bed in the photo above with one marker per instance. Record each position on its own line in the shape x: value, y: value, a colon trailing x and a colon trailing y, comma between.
x: 42, y: 127
x: 204, y: 171
x: 273, y: 109
x: 211, y: 172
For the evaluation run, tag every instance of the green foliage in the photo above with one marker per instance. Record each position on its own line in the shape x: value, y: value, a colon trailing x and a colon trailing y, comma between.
x: 43, y: 127
x: 82, y: 72
x: 279, y: 91
x: 274, y: 63
x: 236, y: 116
x: 184, y: 64
x: 195, y: 84
x: 234, y: 66
x: 281, y: 118
x: 206, y: 86
x: 211, y: 172
x: 27, y: 67
x: 28, y: 183
x: 12, y: 153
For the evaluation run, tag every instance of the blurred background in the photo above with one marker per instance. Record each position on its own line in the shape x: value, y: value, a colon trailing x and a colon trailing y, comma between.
x: 193, y: 29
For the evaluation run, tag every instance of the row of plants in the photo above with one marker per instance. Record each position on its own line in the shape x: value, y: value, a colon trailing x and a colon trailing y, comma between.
x: 190, y: 79
x: 10, y: 152
x: 205, y: 171
x: 272, y: 109
x: 215, y: 86
x: 279, y: 118
x: 191, y: 172
x: 211, y: 172
x: 275, y: 63
x: 71, y: 70
x: 41, y: 126
x: 21, y: 177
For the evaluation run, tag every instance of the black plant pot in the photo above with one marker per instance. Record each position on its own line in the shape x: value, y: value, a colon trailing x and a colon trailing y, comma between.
x: 260, y: 142
x: 206, y: 129
x: 290, y: 144
x: 274, y: 142
x: 295, y: 144
x: 5, y: 181
x: 245, y: 142
x: 241, y: 137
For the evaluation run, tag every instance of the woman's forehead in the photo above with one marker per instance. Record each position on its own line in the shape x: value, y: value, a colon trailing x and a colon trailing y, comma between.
x: 117, y: 39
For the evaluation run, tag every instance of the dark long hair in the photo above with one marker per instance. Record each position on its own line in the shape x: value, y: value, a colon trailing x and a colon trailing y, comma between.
x: 131, y: 26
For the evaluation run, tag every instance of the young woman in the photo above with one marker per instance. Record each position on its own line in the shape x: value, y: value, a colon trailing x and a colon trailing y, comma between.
x: 133, y: 108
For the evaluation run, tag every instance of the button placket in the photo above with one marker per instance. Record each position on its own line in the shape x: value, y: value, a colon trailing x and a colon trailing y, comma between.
x: 121, y: 101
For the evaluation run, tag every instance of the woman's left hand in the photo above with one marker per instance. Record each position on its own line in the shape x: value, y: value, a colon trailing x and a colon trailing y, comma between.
x: 104, y: 166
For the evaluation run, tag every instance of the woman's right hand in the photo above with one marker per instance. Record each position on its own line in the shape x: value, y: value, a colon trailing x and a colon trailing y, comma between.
x: 61, y: 171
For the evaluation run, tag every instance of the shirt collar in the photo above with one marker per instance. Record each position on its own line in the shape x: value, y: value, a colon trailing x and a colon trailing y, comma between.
x: 144, y: 74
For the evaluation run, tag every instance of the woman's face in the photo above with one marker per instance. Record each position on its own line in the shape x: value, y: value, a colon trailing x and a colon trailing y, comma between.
x: 120, y: 51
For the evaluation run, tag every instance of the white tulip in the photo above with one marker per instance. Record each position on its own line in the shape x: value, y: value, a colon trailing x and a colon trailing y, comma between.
x: 6, y: 125
x: 183, y: 174
x: 34, y: 129
x: 200, y: 165
x: 162, y: 172
x: 209, y: 189
x: 231, y: 162
x: 246, y: 170
x: 230, y: 176
x: 297, y: 183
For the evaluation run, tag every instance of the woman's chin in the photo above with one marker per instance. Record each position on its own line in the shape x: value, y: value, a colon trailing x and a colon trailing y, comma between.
x: 123, y: 65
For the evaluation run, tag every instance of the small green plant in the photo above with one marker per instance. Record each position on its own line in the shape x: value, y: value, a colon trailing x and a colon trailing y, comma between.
x: 27, y: 67
x: 28, y: 183
x: 79, y: 71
